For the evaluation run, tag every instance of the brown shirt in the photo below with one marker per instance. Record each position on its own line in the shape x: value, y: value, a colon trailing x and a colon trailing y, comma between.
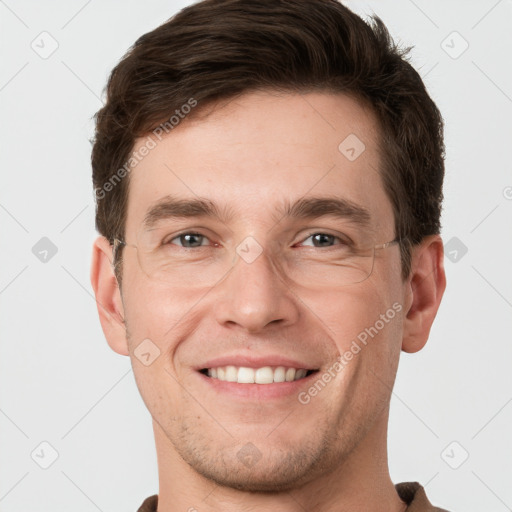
x: 411, y: 492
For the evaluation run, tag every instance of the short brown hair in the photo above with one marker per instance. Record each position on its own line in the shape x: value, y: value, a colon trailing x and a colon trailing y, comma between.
x: 218, y: 49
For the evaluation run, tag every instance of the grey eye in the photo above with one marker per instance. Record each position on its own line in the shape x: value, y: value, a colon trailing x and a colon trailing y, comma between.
x: 190, y: 240
x: 321, y: 240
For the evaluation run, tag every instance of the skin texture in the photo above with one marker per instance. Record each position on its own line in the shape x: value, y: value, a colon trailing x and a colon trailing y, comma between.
x: 330, y: 454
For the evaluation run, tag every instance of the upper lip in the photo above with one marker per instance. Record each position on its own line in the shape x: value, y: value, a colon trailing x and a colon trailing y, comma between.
x: 256, y: 362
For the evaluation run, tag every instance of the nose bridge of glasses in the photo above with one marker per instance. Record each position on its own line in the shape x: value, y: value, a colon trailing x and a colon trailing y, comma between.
x: 262, y: 261
x: 259, y: 261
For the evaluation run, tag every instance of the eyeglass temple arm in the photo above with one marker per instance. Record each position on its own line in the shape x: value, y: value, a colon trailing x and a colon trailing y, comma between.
x: 387, y: 244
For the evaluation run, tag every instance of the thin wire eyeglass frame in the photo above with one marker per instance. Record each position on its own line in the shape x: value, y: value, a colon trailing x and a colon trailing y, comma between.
x: 117, y: 243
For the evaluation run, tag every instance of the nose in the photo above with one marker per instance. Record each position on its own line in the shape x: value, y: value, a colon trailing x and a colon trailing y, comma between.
x: 254, y: 296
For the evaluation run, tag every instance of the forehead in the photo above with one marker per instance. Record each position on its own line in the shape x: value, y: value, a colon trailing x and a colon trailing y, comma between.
x: 261, y: 150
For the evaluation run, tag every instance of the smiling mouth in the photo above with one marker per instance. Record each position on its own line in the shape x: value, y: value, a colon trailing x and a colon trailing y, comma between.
x: 263, y: 375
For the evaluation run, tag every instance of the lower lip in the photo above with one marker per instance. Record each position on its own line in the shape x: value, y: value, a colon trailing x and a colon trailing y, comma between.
x: 258, y: 391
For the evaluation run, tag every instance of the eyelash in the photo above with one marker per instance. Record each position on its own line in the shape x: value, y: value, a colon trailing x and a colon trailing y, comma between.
x: 169, y: 242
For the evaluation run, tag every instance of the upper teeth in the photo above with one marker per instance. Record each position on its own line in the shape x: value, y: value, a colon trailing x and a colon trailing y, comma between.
x: 264, y: 375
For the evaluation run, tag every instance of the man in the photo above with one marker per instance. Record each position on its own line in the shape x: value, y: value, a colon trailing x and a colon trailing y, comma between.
x: 269, y: 182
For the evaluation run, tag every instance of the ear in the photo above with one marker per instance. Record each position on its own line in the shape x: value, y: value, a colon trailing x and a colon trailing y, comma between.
x: 424, y: 291
x: 108, y: 296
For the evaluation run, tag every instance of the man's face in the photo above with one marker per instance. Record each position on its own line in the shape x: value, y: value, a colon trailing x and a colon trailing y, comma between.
x: 215, y: 300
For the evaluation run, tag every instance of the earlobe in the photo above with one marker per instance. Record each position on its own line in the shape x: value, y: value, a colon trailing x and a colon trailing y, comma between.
x: 426, y: 285
x: 108, y: 296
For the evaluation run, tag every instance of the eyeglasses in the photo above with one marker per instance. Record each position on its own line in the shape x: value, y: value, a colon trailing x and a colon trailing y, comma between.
x: 190, y: 263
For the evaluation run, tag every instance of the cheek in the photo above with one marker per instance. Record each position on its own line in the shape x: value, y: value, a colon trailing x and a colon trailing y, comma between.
x: 158, y: 318
x: 155, y: 321
x: 154, y: 310
x: 368, y: 323
x: 364, y: 322
x: 347, y: 314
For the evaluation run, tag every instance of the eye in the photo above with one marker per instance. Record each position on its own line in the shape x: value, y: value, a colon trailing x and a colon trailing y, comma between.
x: 323, y: 240
x: 189, y: 240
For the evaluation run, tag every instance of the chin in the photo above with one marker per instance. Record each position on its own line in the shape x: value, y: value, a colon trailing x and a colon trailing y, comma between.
x: 273, y: 469
x: 265, y: 477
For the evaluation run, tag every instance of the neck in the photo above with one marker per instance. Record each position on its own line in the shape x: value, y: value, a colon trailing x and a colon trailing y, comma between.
x: 359, y: 483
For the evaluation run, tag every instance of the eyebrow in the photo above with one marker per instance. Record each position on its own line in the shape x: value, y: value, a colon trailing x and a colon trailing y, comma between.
x: 304, y: 208
x: 171, y: 207
x: 315, y: 207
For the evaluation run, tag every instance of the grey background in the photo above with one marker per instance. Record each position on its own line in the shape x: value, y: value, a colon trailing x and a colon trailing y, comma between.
x: 59, y: 381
